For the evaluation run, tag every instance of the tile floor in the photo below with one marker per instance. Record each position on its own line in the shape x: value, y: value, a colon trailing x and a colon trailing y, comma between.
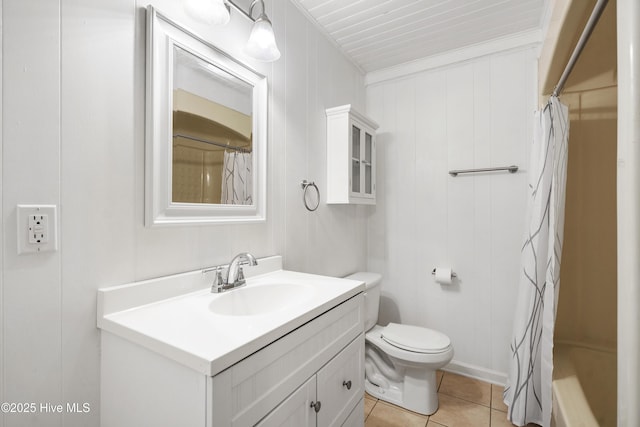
x: 464, y: 402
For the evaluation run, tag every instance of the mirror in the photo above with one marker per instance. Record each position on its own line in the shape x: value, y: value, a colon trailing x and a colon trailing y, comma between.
x: 212, y: 133
x: 205, y: 133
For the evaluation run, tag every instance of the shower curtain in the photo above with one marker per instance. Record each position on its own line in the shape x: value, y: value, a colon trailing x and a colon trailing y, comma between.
x: 237, y: 179
x: 528, y: 389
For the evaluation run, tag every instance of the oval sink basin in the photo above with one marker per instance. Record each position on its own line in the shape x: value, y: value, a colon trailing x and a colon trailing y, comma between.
x: 259, y: 299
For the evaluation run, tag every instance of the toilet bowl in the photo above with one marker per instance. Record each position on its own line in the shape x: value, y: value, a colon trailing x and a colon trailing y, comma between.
x: 401, y: 360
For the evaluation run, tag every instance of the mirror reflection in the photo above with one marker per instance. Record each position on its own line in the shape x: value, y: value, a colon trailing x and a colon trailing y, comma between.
x: 212, y: 133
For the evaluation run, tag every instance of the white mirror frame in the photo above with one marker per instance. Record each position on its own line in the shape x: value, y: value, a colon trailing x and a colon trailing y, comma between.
x: 162, y: 35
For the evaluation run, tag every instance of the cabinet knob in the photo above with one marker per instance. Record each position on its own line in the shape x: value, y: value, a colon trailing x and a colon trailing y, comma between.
x: 316, y: 406
x: 347, y: 384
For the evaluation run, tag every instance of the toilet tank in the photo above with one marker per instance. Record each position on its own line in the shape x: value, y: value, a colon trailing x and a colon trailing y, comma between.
x: 371, y: 296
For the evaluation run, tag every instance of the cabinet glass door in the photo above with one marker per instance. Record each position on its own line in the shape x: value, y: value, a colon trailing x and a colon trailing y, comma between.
x: 355, y: 158
x: 368, y: 163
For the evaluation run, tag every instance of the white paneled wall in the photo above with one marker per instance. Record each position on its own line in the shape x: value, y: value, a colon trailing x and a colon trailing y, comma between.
x: 73, y: 135
x: 31, y: 285
x: 470, y: 115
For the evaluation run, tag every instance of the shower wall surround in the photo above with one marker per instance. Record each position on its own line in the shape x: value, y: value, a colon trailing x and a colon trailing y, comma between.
x: 73, y: 136
x: 474, y: 114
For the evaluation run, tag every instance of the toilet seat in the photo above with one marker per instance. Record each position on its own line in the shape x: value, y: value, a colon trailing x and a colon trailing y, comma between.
x: 374, y: 337
x: 415, y: 338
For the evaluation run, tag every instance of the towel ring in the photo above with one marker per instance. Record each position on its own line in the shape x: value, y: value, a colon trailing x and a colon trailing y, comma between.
x: 305, y: 187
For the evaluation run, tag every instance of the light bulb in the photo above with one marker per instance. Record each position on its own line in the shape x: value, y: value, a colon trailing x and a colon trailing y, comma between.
x: 212, y: 12
x: 262, y: 42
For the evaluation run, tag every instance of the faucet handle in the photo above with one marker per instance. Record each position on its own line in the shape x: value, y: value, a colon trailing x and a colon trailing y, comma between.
x: 218, y: 281
x: 240, y: 280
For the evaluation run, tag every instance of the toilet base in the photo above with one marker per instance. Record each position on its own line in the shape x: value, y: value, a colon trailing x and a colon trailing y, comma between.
x: 417, y: 393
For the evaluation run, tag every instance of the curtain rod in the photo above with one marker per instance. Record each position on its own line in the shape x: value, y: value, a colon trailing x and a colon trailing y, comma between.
x: 217, y: 144
x: 586, y: 33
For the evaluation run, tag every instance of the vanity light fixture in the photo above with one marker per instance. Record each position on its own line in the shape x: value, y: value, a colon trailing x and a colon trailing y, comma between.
x: 213, y: 12
x: 262, y: 42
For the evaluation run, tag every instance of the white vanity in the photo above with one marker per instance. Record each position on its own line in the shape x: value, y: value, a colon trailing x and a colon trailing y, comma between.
x: 285, y: 349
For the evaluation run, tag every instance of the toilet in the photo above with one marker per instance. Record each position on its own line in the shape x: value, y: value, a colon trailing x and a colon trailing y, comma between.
x: 401, y: 360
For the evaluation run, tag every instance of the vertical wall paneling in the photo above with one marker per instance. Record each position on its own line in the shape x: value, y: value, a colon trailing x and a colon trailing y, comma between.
x: 513, y: 77
x: 431, y: 201
x: 31, y: 175
x: 381, y: 222
x: 376, y: 221
x: 460, y: 108
x: 315, y: 135
x: 277, y: 145
x: 295, y: 57
x: 2, y: 233
x: 401, y: 202
x: 98, y: 158
x: 468, y: 115
x: 480, y: 274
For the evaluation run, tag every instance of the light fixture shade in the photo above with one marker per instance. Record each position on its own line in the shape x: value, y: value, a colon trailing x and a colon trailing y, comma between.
x: 262, y: 42
x: 213, y: 12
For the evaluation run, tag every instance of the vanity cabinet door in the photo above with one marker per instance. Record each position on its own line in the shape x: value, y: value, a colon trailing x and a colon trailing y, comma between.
x: 356, y: 418
x: 340, y: 384
x: 296, y: 410
x: 331, y: 398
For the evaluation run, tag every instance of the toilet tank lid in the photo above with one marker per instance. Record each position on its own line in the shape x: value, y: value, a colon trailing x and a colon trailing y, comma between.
x: 370, y: 279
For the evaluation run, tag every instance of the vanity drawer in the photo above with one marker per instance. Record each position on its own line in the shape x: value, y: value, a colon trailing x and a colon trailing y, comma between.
x: 341, y: 384
x: 247, y: 391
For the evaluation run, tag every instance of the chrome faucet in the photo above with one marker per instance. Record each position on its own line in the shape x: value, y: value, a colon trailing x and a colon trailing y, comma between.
x: 235, y: 276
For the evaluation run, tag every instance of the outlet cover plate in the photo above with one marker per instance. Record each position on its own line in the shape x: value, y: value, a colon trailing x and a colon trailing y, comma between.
x: 25, y: 229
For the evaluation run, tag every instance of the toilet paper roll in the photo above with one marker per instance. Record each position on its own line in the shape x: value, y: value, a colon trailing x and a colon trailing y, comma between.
x: 444, y: 276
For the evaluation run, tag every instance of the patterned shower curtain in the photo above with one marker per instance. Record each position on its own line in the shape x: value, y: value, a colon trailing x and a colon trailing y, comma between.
x: 528, y: 389
x: 237, y: 179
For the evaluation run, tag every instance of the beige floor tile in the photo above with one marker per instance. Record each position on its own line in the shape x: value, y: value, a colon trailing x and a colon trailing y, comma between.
x: 386, y: 415
x: 497, y: 402
x: 466, y: 388
x: 434, y: 424
x: 499, y: 419
x: 369, y: 403
x: 454, y: 412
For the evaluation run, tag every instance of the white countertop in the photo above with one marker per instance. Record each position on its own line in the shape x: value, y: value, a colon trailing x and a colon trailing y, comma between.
x: 171, y: 315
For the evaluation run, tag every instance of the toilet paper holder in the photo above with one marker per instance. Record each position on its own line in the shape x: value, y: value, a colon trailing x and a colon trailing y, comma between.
x: 453, y: 274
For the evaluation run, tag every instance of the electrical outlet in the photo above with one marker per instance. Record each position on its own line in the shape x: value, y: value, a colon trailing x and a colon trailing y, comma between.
x: 37, y: 228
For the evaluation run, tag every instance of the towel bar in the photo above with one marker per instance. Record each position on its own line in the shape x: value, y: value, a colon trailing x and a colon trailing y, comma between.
x: 512, y: 169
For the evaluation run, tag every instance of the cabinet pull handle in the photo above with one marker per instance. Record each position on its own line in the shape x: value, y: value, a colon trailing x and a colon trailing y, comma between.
x: 347, y: 384
x: 316, y: 406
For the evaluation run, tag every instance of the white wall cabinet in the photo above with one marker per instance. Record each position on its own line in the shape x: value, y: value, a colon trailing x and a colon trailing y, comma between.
x: 351, y: 156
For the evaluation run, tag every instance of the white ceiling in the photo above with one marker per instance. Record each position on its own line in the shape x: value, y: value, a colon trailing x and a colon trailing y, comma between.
x: 378, y: 34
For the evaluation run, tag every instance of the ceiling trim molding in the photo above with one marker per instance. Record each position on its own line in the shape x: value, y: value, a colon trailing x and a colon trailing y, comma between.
x: 531, y: 38
x: 327, y: 36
